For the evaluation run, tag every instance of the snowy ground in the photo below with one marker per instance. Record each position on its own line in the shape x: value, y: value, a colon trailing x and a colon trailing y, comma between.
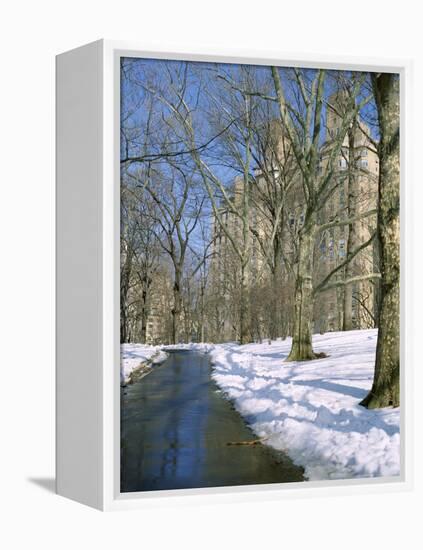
x: 310, y: 409
x: 203, y: 348
x: 135, y: 356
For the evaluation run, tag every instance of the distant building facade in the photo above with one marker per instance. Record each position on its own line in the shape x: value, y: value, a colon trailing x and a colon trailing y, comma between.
x: 354, y: 193
x: 351, y: 306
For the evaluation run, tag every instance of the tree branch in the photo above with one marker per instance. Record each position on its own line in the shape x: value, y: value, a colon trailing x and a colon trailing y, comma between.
x: 348, y: 221
x: 322, y: 285
x: 351, y: 280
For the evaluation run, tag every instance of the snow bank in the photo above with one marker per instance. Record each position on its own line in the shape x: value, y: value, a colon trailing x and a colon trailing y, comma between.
x: 135, y: 356
x: 310, y: 409
x: 200, y: 347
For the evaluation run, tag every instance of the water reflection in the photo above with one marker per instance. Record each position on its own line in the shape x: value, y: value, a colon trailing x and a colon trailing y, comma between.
x: 174, y: 433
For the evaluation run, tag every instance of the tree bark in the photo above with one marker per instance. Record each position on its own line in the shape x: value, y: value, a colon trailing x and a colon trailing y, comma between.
x: 177, y: 308
x: 274, y: 325
x: 244, y: 312
x: 385, y: 391
x: 302, y: 348
x: 125, y: 275
x: 275, y: 269
x: 144, y: 317
x: 202, y: 313
x: 352, y: 239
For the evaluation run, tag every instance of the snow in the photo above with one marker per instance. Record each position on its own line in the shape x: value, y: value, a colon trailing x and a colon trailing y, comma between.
x: 311, y: 409
x: 200, y: 347
x: 135, y: 356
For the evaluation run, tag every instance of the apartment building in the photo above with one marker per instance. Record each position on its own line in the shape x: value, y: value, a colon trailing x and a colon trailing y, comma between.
x: 353, y: 194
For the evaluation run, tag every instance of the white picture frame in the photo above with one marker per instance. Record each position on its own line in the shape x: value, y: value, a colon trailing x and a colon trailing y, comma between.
x: 88, y: 348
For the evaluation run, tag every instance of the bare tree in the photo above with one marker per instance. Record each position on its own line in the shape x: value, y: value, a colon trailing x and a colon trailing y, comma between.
x: 385, y: 390
x: 276, y: 175
x: 155, y: 158
x: 139, y: 261
x: 235, y: 199
x: 244, y: 150
x: 178, y: 209
x: 304, y: 126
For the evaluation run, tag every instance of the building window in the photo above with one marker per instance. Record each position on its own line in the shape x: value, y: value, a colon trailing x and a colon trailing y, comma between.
x: 364, y: 152
x: 342, y: 248
x: 342, y: 163
x: 364, y: 163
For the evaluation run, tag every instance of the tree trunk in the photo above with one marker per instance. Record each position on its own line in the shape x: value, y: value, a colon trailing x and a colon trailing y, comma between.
x: 202, y: 317
x: 124, y: 289
x: 275, y: 321
x: 352, y: 239
x: 274, y: 305
x: 377, y: 287
x: 177, y: 307
x: 144, y: 317
x: 123, y: 325
x: 244, y: 311
x: 302, y: 348
x: 385, y: 391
